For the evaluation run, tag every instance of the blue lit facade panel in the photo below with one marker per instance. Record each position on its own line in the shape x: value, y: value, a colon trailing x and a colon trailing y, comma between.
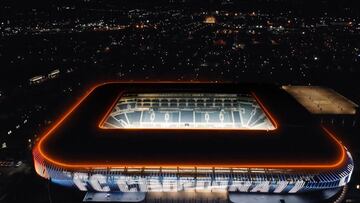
x: 141, y: 180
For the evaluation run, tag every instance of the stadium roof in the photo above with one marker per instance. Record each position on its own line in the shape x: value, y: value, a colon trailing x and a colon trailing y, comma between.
x: 297, y: 141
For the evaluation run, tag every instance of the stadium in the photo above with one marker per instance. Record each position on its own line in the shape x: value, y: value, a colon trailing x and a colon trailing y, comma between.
x: 172, y: 137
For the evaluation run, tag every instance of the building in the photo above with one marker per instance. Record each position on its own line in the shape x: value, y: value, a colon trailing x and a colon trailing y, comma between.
x: 54, y: 74
x: 210, y: 20
x: 209, y: 137
x: 37, y: 79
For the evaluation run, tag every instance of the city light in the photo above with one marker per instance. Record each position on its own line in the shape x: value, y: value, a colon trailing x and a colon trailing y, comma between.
x: 192, y: 97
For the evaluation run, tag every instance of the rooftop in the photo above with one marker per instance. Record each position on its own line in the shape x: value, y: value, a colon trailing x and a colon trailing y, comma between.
x: 79, y: 140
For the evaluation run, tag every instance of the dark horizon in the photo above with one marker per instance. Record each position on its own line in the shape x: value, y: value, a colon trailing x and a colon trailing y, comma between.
x: 312, y: 6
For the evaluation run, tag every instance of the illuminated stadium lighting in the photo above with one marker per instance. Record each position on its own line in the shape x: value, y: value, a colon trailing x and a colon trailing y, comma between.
x: 100, y: 144
x: 187, y: 110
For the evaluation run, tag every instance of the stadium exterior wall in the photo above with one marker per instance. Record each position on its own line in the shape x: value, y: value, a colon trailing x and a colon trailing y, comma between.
x: 195, y: 179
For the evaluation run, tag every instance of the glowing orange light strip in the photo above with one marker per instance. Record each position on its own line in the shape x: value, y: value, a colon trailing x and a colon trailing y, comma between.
x: 109, y: 111
x: 89, y: 165
x: 268, y: 114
